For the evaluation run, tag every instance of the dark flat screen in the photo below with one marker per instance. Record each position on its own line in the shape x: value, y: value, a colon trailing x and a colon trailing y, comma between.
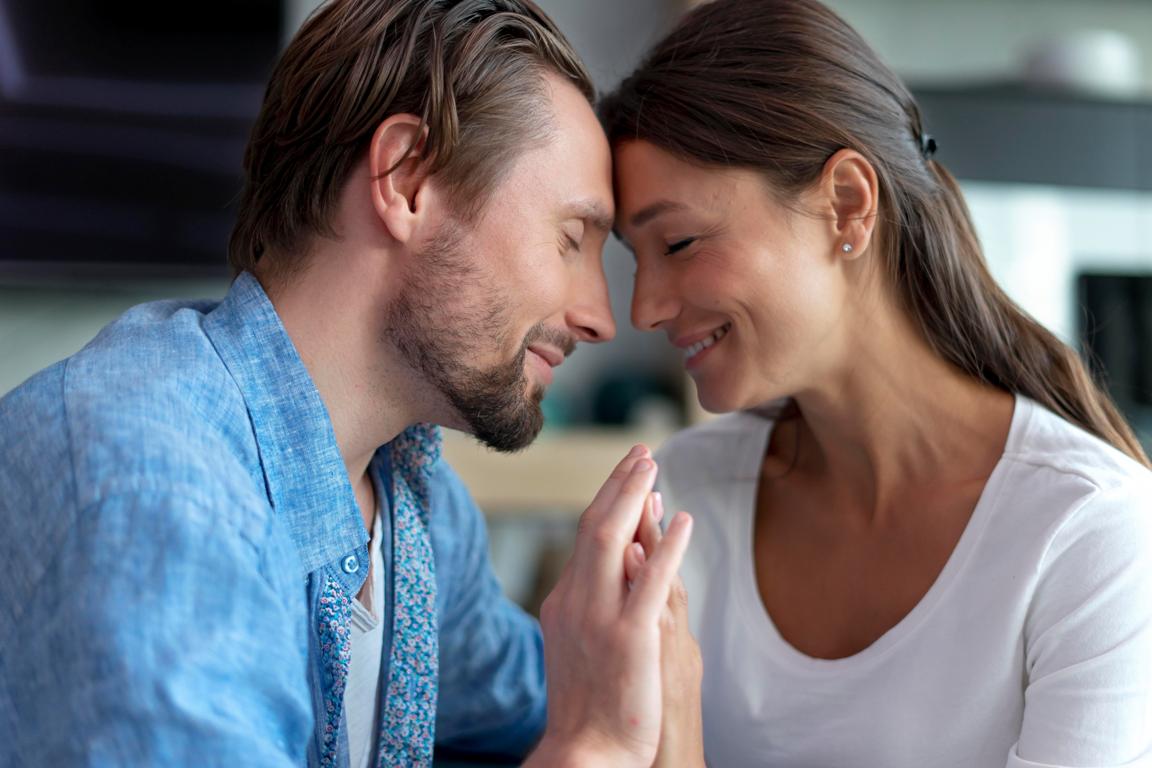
x: 122, y: 131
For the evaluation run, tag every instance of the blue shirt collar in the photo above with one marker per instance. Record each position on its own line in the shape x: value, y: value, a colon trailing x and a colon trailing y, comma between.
x: 307, y: 482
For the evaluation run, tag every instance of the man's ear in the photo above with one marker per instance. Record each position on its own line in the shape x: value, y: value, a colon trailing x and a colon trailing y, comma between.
x: 851, y: 189
x: 398, y: 173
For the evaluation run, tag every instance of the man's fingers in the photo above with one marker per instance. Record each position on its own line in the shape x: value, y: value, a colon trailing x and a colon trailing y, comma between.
x: 621, y: 518
x: 599, y: 552
x: 651, y: 587
x: 611, y: 486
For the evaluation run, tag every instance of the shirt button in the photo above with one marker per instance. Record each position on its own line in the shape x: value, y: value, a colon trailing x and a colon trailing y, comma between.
x: 351, y: 564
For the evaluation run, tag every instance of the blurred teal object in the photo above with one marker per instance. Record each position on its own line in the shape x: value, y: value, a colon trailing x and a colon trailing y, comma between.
x: 557, y: 412
x: 619, y: 399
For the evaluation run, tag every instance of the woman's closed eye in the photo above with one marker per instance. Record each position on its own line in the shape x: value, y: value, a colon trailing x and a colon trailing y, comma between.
x: 679, y: 245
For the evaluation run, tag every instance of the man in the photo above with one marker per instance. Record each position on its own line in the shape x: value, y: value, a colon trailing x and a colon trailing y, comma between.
x: 228, y: 533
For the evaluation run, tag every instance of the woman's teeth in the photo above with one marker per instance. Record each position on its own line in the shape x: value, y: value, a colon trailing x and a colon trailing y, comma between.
x: 700, y: 346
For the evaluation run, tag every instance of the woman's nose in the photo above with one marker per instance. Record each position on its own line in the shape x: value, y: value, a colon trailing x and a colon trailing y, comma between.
x: 652, y: 302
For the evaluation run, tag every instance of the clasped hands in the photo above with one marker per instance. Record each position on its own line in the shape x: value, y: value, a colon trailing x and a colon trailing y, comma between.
x: 623, y: 670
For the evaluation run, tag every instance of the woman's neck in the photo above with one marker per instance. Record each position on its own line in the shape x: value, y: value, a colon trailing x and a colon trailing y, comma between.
x: 896, y: 421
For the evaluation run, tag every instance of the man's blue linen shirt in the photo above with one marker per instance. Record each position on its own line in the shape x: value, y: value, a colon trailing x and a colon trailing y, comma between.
x: 171, y: 500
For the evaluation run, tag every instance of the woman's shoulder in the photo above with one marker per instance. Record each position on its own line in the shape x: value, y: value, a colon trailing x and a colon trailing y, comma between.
x: 1057, y: 451
x: 1074, y: 492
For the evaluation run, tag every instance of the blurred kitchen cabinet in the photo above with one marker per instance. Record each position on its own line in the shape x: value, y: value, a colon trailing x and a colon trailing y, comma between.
x: 1011, y: 133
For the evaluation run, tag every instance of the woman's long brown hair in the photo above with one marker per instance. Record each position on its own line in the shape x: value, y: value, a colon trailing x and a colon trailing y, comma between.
x: 780, y: 86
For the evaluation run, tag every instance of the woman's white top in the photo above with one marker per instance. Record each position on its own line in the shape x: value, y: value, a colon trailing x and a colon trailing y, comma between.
x: 1032, y: 648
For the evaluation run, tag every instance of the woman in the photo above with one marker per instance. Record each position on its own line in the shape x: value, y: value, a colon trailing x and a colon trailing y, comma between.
x: 923, y: 535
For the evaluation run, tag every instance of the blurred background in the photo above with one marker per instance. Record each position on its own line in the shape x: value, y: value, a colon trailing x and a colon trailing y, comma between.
x: 122, y: 126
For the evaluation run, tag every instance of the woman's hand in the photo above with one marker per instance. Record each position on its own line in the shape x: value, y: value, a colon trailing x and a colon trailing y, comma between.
x: 681, y: 668
x: 602, y: 631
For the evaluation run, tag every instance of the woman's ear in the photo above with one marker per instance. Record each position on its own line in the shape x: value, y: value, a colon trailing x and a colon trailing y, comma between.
x: 397, y: 166
x: 852, y: 191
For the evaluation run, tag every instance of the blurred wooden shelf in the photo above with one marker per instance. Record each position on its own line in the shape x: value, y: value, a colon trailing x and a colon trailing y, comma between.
x: 554, y: 478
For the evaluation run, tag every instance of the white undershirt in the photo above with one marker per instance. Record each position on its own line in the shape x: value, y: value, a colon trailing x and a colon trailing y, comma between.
x: 361, y: 695
x: 1033, y: 647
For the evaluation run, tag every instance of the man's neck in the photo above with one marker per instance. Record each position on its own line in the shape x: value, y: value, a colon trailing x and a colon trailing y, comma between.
x: 334, y: 316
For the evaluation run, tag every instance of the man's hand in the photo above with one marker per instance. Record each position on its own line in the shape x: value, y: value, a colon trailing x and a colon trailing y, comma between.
x: 602, y: 631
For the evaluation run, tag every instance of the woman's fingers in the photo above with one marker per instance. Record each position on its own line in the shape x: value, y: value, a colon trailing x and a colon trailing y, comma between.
x: 633, y: 561
x: 678, y: 605
x: 652, y: 586
x: 681, y: 671
x: 649, y: 532
x: 636, y: 553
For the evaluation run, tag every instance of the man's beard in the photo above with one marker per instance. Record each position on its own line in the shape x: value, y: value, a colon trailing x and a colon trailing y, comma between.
x: 436, y: 327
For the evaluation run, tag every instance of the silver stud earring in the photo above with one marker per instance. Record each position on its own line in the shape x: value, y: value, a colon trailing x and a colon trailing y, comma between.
x: 847, y: 247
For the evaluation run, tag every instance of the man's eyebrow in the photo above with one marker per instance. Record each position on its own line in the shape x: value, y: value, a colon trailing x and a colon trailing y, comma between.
x: 592, y: 212
x: 659, y: 208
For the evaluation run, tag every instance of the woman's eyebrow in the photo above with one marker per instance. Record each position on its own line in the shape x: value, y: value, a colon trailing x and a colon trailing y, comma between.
x: 650, y: 212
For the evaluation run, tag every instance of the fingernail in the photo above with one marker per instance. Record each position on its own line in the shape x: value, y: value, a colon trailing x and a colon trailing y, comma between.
x: 643, y: 465
x: 637, y: 450
x: 657, y: 506
x: 638, y: 551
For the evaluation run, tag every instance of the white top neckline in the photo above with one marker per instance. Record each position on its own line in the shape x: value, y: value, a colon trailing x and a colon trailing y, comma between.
x: 1032, y: 647
x: 751, y: 606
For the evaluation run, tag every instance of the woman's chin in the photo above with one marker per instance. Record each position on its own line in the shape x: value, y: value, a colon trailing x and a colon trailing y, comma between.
x: 723, y: 397
x: 717, y: 400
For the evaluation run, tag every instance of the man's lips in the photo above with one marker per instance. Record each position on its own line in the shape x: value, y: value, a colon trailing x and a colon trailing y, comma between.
x: 550, y: 355
x: 542, y: 365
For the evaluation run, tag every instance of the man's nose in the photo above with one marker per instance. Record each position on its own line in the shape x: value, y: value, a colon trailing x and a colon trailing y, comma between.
x: 590, y: 316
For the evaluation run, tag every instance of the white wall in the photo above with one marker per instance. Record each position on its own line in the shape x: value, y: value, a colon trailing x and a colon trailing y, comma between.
x: 946, y: 40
